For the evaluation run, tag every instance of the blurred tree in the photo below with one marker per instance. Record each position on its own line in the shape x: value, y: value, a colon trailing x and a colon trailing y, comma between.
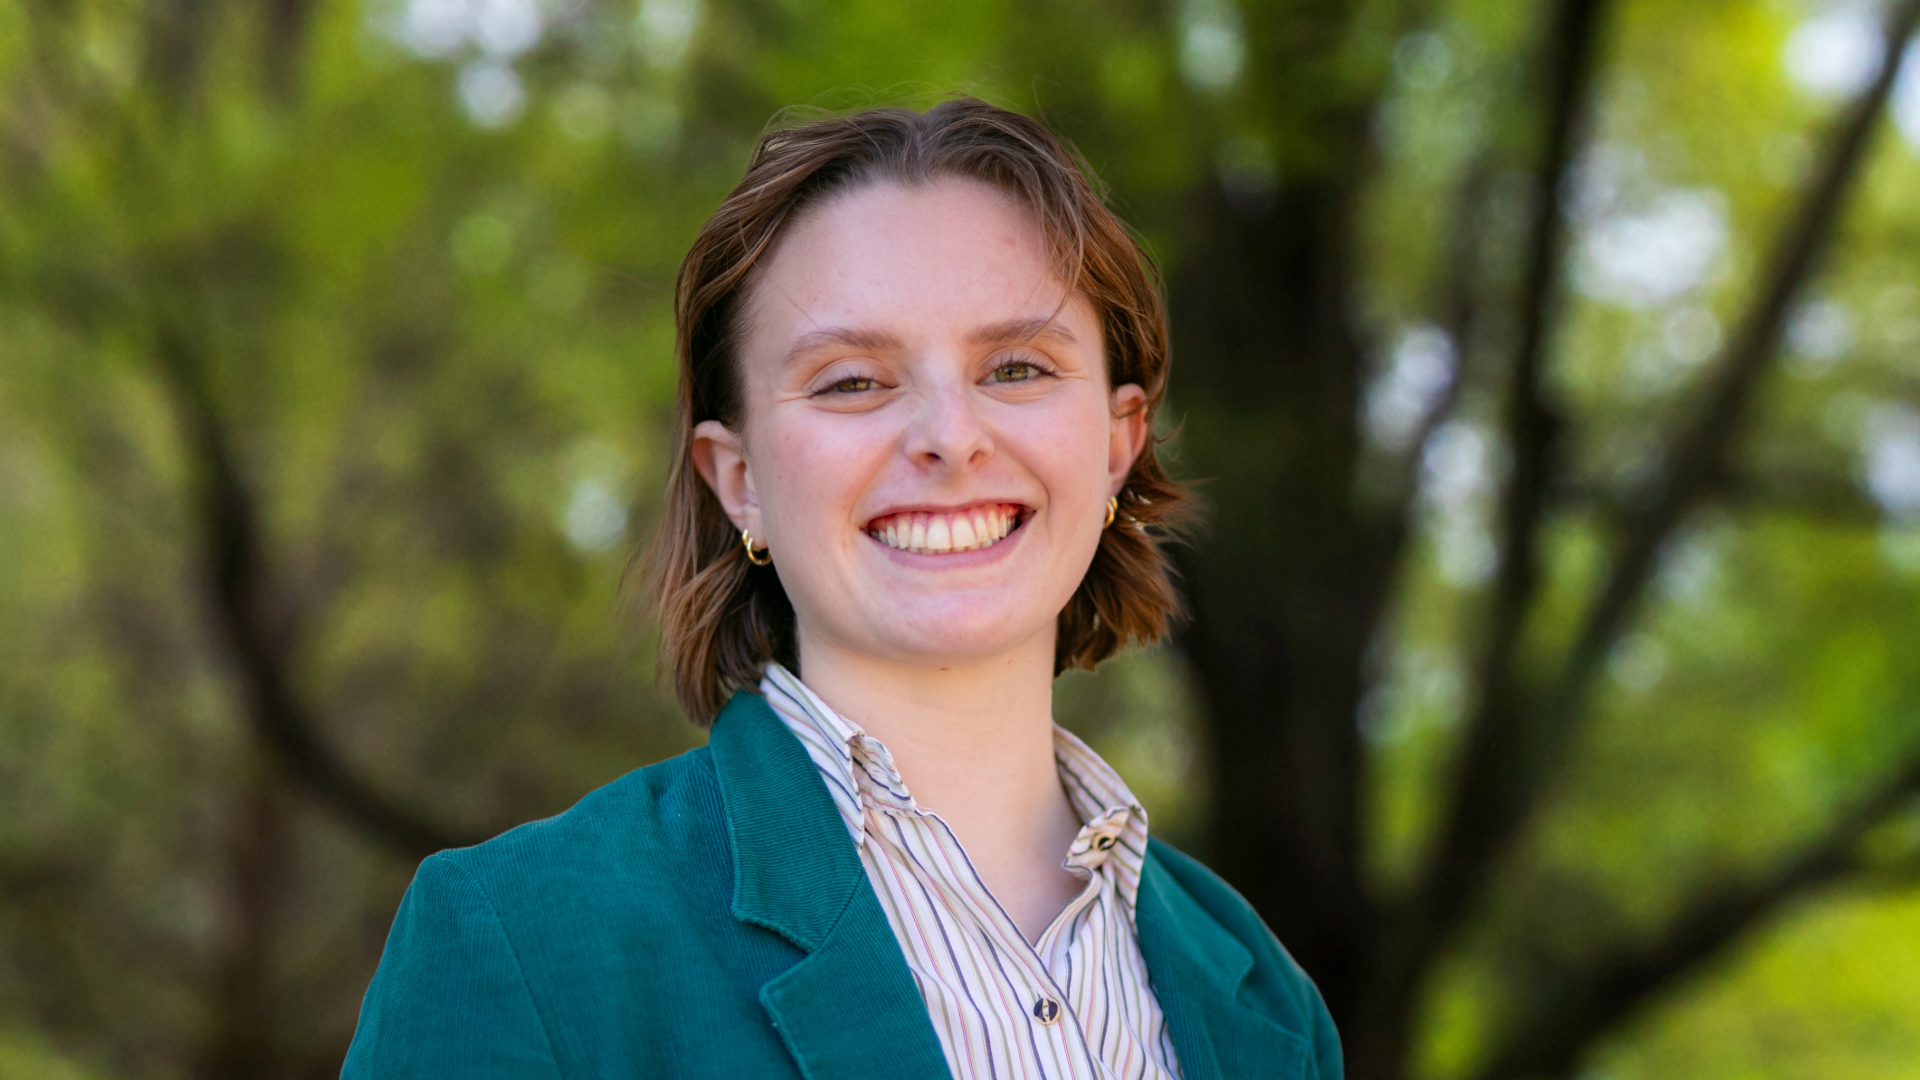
x: 1547, y: 642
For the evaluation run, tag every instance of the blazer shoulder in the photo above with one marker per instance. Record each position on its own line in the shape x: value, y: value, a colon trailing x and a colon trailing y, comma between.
x: 645, y: 819
x: 504, y: 952
x: 448, y: 945
x: 1277, y: 983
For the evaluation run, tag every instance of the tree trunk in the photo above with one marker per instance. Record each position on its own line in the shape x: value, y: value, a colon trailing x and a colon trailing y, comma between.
x: 240, y: 1041
x: 1289, y: 574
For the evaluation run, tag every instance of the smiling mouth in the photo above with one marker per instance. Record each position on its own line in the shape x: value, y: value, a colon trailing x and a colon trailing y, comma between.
x: 946, y: 533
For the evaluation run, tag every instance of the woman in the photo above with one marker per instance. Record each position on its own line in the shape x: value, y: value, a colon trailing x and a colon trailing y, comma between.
x: 916, y: 479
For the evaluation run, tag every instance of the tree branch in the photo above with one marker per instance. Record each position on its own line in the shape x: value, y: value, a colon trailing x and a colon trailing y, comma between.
x: 1701, y: 452
x: 1456, y: 299
x: 1555, y: 1029
x: 1806, y: 493
x: 1461, y: 300
x: 1898, y: 876
x: 238, y: 601
x: 1493, y: 761
x: 1517, y: 740
x: 1458, y: 304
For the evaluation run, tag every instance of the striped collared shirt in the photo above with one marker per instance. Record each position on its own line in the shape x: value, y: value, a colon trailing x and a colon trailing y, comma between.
x: 1078, y: 1004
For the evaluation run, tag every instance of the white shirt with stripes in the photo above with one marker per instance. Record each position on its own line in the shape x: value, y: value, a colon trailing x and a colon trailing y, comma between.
x: 1076, y: 1005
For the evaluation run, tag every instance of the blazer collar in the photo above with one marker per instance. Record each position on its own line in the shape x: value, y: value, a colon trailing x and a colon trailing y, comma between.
x: 1197, y: 967
x: 850, y: 1006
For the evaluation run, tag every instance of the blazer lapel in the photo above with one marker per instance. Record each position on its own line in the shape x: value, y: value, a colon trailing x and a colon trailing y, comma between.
x: 850, y: 1008
x: 1196, y: 967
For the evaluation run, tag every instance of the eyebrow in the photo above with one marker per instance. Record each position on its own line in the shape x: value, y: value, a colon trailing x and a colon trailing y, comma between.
x: 1011, y: 332
x: 849, y: 336
x: 1018, y: 331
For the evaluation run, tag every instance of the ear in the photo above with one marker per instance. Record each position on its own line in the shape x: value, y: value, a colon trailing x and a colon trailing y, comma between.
x: 722, y: 461
x: 1127, y: 435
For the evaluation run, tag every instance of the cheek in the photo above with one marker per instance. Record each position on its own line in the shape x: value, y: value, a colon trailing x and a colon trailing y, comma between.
x: 1068, y: 447
x: 816, y: 466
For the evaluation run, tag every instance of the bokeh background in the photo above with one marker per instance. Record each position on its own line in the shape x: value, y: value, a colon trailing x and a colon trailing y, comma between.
x: 1551, y: 370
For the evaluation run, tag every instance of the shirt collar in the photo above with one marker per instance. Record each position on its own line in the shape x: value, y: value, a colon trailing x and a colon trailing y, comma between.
x: 1114, y: 824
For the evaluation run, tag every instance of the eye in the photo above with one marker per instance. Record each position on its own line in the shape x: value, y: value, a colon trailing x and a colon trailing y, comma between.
x: 853, y: 384
x: 1018, y: 371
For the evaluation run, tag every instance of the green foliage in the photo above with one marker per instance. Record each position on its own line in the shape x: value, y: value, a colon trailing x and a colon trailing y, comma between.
x: 432, y: 289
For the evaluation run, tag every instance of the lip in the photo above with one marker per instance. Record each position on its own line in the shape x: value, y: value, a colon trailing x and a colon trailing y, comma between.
x: 1025, y: 509
x: 954, y: 560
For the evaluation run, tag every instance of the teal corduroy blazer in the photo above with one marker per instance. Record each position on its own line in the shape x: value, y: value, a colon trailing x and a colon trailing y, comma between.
x: 709, y: 917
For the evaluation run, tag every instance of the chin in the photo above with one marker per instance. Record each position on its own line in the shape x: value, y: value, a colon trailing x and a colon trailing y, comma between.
x: 958, y: 633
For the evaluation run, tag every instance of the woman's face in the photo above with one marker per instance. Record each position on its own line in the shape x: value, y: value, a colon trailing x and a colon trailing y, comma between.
x: 929, y: 439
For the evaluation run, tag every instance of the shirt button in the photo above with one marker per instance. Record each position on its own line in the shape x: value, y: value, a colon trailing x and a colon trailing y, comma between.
x: 1046, y: 1010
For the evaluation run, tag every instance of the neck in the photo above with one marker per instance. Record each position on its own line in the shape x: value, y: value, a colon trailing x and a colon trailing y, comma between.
x: 974, y: 742
x: 955, y: 724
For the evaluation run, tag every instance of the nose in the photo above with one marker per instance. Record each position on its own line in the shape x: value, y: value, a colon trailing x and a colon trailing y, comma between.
x: 946, y: 429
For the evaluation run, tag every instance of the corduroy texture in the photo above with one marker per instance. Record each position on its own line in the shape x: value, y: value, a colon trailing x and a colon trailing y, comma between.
x: 707, y: 917
x: 721, y: 618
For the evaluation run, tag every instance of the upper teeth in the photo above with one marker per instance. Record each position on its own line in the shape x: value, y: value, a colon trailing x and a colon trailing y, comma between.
x: 963, y: 530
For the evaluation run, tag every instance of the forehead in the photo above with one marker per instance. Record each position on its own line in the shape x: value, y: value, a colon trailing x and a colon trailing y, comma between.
x: 947, y: 255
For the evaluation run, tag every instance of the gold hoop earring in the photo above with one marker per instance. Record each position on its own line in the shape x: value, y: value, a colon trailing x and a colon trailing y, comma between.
x: 1113, y: 510
x: 765, y: 558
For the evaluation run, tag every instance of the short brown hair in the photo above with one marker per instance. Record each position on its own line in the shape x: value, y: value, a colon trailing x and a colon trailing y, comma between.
x: 722, y: 618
